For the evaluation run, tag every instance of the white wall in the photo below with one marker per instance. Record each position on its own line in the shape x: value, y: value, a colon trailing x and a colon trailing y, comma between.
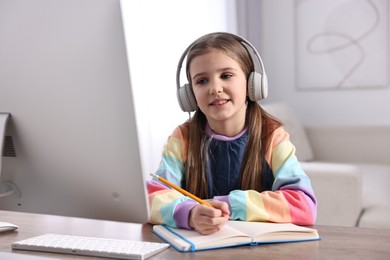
x: 157, y: 33
x: 272, y: 32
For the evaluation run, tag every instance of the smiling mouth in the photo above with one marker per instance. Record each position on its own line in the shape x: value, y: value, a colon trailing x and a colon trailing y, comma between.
x: 219, y: 102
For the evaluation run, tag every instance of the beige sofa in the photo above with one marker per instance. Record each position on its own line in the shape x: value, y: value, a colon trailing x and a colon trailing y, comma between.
x: 349, y: 167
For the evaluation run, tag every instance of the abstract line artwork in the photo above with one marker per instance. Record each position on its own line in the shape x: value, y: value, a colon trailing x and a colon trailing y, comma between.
x: 341, y: 44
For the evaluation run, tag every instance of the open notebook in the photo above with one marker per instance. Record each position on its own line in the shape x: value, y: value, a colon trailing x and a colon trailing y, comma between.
x: 235, y: 233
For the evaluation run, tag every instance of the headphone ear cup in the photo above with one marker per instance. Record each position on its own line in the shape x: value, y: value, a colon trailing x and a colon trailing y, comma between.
x: 257, y: 86
x: 186, y: 98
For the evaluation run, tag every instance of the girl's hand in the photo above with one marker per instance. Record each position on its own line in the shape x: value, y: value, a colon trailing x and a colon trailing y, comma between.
x: 208, y: 220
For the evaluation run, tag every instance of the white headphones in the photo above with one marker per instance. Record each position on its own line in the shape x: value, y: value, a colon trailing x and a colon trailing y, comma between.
x: 257, y: 81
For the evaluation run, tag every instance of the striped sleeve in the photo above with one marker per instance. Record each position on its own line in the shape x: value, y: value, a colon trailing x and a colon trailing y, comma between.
x: 292, y: 198
x: 168, y: 206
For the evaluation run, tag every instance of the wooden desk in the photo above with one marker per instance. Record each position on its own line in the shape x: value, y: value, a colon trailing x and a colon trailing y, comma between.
x: 335, y: 243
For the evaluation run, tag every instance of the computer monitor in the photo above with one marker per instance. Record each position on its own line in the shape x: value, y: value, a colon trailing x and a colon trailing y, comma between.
x: 67, y: 110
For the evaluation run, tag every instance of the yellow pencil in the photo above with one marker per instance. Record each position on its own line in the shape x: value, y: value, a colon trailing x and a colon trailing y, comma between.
x: 182, y: 191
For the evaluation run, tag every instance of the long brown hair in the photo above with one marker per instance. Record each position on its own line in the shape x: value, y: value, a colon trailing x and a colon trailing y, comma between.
x: 260, y: 125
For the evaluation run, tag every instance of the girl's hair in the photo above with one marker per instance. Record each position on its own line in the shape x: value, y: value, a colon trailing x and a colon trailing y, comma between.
x: 260, y: 124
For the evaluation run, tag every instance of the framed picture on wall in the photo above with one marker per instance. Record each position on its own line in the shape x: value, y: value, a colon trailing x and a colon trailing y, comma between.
x: 341, y: 44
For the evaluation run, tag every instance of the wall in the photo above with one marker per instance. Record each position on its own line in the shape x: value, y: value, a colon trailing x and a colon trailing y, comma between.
x: 271, y: 29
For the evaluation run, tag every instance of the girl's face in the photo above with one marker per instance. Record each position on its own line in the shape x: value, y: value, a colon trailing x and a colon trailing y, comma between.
x: 220, y: 89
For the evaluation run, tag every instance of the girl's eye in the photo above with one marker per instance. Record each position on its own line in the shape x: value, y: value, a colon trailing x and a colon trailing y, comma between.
x: 201, y: 82
x: 226, y: 75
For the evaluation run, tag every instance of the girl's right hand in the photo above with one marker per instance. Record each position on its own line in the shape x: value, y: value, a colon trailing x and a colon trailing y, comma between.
x: 208, y: 220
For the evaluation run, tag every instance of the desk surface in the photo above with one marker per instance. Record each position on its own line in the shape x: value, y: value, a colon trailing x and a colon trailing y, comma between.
x: 335, y: 243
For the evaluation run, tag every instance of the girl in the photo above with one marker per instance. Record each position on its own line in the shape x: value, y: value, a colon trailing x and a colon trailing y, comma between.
x: 231, y: 152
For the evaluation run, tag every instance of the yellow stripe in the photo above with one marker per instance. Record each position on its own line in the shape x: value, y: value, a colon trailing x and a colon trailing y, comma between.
x: 173, y: 148
x: 281, y: 153
x: 160, y: 199
x: 255, y: 207
x: 267, y: 206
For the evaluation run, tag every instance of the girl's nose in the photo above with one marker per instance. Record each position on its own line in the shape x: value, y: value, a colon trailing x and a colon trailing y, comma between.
x: 215, y: 88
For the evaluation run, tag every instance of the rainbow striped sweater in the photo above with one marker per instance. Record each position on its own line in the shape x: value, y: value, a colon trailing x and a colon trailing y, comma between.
x: 288, y: 198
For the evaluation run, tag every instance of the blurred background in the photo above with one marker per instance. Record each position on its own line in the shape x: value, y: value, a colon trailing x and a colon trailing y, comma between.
x: 328, y: 60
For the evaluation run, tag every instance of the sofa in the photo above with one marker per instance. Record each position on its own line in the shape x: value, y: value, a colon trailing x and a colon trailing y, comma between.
x: 349, y: 168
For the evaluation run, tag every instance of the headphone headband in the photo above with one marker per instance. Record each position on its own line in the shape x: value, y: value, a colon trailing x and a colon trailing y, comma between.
x: 257, y: 81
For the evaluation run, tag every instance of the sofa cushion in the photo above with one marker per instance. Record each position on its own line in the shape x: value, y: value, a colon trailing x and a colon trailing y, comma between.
x: 375, y: 217
x: 375, y: 195
x: 294, y: 127
x: 338, y: 190
x: 375, y: 182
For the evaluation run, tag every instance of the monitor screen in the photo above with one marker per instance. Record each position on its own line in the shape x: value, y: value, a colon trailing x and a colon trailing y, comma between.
x: 70, y: 144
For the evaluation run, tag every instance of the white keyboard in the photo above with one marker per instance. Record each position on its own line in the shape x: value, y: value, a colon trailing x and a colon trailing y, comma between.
x: 91, y: 246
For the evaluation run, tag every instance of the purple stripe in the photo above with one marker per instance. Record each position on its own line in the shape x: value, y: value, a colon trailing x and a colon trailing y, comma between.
x: 182, y: 213
x: 216, y: 136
